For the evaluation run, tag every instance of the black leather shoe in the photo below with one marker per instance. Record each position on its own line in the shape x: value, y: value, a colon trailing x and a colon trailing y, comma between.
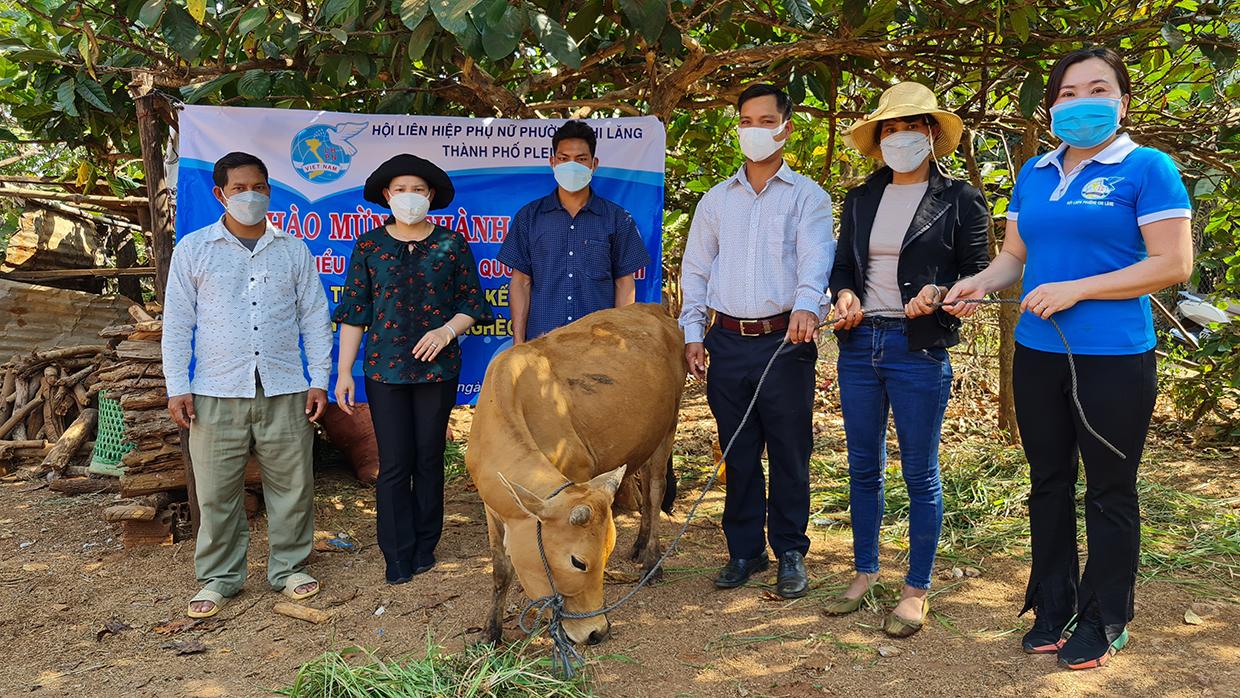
x: 399, y: 571
x: 738, y: 571
x: 793, y: 582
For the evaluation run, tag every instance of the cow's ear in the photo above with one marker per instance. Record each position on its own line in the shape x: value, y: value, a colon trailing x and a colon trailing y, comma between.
x: 609, y: 481
x: 529, y: 502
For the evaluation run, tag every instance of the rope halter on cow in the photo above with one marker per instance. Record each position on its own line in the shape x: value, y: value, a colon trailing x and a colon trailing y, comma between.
x: 565, y: 652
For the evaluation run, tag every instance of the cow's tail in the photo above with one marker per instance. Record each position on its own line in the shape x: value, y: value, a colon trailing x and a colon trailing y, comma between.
x: 669, y: 493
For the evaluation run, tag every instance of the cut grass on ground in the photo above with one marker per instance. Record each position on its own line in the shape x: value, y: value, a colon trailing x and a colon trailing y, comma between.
x: 478, y: 671
x: 1186, y: 537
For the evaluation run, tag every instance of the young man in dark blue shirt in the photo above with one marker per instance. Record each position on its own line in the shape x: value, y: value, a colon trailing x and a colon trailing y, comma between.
x: 572, y: 252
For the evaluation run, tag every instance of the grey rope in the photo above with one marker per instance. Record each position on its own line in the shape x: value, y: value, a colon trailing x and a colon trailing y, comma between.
x: 565, y: 652
x: 1076, y: 394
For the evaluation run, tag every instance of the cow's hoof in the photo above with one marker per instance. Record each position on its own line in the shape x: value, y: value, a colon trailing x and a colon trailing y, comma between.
x: 494, y: 635
x: 637, y: 553
x: 658, y: 573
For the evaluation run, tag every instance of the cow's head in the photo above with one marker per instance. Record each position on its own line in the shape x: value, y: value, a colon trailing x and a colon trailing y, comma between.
x: 578, y: 536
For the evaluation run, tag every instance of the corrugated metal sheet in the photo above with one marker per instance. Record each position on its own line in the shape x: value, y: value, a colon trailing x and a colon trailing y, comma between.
x: 41, y: 317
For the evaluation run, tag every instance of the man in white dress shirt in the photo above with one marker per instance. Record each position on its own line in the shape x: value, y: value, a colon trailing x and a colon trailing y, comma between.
x: 759, y: 253
x: 241, y: 297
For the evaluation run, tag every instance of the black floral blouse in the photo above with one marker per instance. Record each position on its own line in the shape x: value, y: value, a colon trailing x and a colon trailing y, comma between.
x: 401, y: 290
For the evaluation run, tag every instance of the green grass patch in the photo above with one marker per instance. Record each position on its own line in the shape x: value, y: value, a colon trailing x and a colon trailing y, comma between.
x: 454, y: 461
x: 478, y: 671
x: 1185, y: 534
x: 1186, y: 537
x: 733, y: 640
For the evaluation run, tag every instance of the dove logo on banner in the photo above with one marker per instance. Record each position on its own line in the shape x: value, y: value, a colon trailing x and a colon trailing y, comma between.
x: 322, y: 153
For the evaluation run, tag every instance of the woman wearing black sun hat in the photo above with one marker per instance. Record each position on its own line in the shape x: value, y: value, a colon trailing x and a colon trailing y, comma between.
x: 412, y: 289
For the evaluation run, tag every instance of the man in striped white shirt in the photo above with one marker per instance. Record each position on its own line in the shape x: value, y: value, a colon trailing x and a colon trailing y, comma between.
x: 241, y: 296
x: 759, y: 255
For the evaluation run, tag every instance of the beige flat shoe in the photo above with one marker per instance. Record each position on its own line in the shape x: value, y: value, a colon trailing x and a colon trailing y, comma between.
x: 300, y: 579
x: 895, y: 626
x: 842, y: 605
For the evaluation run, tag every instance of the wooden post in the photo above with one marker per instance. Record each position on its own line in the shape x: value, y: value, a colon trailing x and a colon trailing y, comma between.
x: 1009, y: 315
x: 195, y: 515
x: 7, y: 389
x: 125, y: 254
x: 69, y: 443
x: 159, y: 199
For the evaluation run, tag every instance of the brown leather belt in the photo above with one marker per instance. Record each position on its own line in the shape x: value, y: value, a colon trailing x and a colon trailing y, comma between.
x: 753, y: 328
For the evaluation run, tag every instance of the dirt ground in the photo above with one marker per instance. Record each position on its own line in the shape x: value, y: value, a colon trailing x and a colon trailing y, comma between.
x: 64, y: 577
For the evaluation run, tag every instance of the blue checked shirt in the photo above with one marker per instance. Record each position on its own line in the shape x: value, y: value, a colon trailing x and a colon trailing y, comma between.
x: 573, y: 263
x: 753, y: 255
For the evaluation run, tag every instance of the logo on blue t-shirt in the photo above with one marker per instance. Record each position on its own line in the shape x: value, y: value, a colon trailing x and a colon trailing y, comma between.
x: 1100, y: 188
x: 322, y: 154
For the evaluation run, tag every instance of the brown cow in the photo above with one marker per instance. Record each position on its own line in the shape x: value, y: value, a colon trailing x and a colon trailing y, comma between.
x: 579, y: 405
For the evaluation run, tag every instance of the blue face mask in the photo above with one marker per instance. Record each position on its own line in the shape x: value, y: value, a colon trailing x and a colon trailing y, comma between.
x: 1085, y: 122
x: 573, y: 176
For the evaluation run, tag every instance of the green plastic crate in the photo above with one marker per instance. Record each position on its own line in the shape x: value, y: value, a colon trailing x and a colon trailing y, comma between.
x: 110, y: 444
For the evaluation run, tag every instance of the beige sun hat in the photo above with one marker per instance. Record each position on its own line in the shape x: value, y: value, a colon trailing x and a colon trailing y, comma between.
x: 899, y: 100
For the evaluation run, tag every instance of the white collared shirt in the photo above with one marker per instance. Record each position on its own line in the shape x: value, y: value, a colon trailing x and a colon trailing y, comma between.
x: 235, y: 312
x: 756, y: 254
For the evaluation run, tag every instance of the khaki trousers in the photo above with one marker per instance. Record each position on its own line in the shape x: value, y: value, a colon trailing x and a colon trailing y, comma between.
x: 220, y: 440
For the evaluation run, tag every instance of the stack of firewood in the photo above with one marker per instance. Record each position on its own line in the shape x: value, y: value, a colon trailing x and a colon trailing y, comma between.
x: 153, y: 470
x: 135, y: 379
x: 47, y: 422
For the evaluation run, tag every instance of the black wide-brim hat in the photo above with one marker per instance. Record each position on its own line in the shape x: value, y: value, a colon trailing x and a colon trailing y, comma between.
x: 406, y: 164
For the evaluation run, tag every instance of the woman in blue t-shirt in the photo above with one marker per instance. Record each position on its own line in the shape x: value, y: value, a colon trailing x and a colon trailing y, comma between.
x: 1095, y: 226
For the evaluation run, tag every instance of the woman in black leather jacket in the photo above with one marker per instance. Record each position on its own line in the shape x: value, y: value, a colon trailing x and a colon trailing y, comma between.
x: 905, y: 235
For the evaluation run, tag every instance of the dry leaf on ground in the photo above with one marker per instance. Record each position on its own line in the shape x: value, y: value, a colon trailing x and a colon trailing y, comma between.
x: 176, y: 626
x: 192, y: 646
x: 112, y: 627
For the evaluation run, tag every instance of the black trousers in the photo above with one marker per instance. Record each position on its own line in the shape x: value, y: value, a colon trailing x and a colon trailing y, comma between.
x: 1117, y: 393
x: 782, y: 423
x: 411, y: 422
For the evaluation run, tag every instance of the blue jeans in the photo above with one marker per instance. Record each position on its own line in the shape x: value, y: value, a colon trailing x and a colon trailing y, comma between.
x: 877, y: 371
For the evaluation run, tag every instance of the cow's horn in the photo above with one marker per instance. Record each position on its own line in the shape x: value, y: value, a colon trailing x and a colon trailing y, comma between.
x: 609, y: 481
x: 580, y: 515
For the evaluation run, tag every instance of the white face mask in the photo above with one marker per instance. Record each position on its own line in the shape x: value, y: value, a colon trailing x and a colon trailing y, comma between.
x: 408, y: 207
x: 904, y: 151
x: 248, y: 207
x: 759, y: 143
x: 572, y: 176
